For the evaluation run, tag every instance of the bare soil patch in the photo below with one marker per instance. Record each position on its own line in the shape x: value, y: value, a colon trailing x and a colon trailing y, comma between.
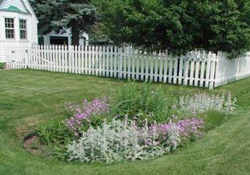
x: 32, y: 144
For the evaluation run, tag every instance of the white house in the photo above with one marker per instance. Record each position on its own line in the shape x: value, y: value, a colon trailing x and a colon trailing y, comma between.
x: 18, y: 25
x: 62, y: 38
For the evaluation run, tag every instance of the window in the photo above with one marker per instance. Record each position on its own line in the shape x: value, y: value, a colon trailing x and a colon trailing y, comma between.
x: 23, y: 29
x: 9, y: 28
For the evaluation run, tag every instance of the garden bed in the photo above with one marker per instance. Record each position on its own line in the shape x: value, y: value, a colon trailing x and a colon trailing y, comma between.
x: 35, y: 98
x: 133, y: 123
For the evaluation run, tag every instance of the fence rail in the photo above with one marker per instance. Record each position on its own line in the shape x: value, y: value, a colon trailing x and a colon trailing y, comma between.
x: 197, y: 68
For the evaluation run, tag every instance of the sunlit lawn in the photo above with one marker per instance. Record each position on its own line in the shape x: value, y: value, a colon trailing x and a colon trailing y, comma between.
x: 31, y: 97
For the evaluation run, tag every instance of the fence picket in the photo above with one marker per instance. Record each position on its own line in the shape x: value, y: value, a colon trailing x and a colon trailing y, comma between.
x: 137, y: 65
x: 180, y: 70
x: 120, y: 63
x: 129, y: 62
x: 86, y: 60
x: 156, y: 73
x: 175, y: 71
x: 197, y: 71
x: 191, y: 79
x: 186, y: 72
x: 147, y: 67
x: 133, y: 64
x: 170, y: 69
x: 141, y: 66
x: 38, y: 56
x: 165, y: 67
x: 212, y: 73
x: 160, y: 67
x: 208, y: 70
x: 125, y: 63
x: 103, y: 61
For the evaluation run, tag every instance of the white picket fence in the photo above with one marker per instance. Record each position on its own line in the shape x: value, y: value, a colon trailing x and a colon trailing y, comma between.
x: 230, y: 70
x: 198, y: 68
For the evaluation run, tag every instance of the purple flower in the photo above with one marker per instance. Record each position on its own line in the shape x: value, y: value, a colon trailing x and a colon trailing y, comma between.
x: 187, y: 127
x: 83, y: 113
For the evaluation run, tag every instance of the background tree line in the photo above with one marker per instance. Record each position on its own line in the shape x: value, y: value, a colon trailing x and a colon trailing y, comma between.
x: 154, y: 25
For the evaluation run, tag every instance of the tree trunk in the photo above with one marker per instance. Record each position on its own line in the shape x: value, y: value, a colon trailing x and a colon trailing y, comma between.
x: 75, y: 35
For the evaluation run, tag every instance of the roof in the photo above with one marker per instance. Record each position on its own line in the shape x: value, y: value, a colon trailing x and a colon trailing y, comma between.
x: 15, y: 9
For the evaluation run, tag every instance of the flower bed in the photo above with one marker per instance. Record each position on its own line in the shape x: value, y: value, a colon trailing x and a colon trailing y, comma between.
x: 136, y: 122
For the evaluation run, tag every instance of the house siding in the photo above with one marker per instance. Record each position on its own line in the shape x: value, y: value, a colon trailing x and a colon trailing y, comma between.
x: 6, y: 44
x: 33, y: 25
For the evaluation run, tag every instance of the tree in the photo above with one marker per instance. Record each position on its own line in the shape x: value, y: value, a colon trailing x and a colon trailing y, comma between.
x: 177, y: 25
x: 98, y: 35
x: 78, y: 15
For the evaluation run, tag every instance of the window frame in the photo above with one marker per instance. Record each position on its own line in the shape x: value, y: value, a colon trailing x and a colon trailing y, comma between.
x: 22, y: 29
x: 7, y: 28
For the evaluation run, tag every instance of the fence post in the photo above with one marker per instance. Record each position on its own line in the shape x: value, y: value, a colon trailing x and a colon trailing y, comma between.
x: 7, y: 57
x: 212, y: 73
x: 208, y: 68
x: 70, y: 59
x: 120, y: 56
x: 218, y: 69
x: 26, y: 64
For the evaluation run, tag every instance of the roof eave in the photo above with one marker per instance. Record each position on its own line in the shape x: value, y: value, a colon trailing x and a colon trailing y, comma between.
x: 5, y: 10
x: 1, y: 1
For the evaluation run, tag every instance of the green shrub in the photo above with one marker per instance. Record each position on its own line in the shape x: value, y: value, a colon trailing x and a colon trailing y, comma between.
x: 54, y: 133
x: 2, y: 65
x: 55, y: 137
x: 213, y: 119
x: 142, y: 101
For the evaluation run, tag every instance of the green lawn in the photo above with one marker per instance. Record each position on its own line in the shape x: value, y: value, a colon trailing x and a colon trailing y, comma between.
x: 31, y: 97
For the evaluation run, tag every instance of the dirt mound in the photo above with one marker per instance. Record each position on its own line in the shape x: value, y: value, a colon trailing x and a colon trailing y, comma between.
x: 33, y: 145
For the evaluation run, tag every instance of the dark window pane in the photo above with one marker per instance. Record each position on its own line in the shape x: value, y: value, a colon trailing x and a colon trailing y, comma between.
x: 23, y: 29
x: 23, y: 34
x: 10, y: 33
x: 9, y: 28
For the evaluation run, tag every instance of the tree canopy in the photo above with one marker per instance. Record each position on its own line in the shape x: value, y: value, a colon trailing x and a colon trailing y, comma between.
x: 178, y: 25
x: 78, y: 15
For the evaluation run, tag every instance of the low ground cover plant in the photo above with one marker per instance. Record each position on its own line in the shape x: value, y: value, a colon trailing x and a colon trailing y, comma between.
x: 125, y: 140
x: 122, y: 140
x: 202, y: 102
x: 136, y: 122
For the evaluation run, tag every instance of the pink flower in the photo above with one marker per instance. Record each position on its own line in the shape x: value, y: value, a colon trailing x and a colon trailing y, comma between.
x: 85, y: 112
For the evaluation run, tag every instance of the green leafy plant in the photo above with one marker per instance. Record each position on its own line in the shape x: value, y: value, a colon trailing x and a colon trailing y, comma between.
x: 54, y: 133
x: 2, y: 65
x: 55, y: 137
x: 142, y: 101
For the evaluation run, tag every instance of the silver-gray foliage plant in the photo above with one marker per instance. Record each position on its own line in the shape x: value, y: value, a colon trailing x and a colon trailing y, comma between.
x: 202, y: 102
x: 121, y: 140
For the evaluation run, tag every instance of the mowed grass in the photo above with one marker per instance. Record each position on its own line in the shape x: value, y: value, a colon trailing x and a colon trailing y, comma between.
x: 28, y: 98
